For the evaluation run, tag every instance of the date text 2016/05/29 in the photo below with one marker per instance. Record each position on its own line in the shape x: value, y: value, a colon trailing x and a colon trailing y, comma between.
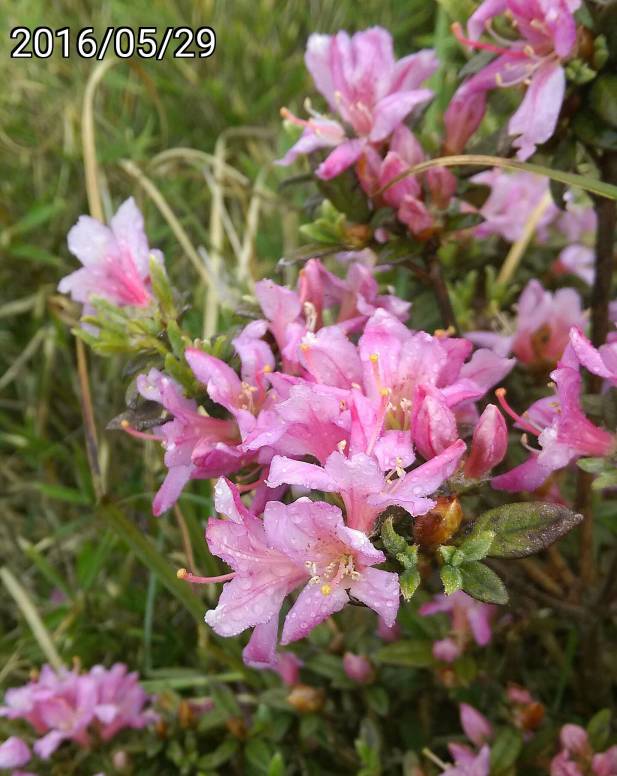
x: 123, y: 42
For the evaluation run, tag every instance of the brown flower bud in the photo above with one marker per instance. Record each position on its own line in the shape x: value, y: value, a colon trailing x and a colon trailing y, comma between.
x: 358, y: 235
x: 440, y: 524
x: 306, y: 699
x: 185, y: 714
x: 237, y: 727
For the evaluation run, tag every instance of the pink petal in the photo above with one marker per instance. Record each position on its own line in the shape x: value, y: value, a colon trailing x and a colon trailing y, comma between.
x: 380, y: 591
x: 260, y: 652
x: 536, y: 118
x: 390, y: 111
x: 311, y: 608
x: 476, y: 726
x: 340, y: 159
x: 14, y: 753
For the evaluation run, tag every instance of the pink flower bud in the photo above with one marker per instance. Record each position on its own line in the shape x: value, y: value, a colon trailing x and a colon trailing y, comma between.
x: 574, y: 739
x: 476, y: 726
x: 358, y: 668
x: 605, y: 764
x: 446, y: 650
x: 13, y: 753
x: 120, y: 760
x: 561, y: 765
x: 434, y: 427
x: 489, y: 443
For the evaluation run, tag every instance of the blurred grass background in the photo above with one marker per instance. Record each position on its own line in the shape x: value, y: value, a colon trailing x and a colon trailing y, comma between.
x: 93, y: 598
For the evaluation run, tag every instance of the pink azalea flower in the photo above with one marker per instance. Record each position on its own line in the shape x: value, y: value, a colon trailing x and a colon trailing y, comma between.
x: 564, y: 434
x: 14, y: 753
x: 196, y: 446
x: 406, y: 196
x: 362, y: 82
x: 115, y: 259
x: 66, y: 705
x: 543, y: 325
x: 362, y: 486
x: 304, y: 544
x: 577, y: 758
x: 469, y: 619
x: 348, y: 302
x: 513, y: 198
x: 467, y: 763
x: 547, y: 31
x: 578, y: 225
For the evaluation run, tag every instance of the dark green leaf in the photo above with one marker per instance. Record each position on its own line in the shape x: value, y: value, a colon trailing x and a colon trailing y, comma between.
x: 599, y: 729
x: 525, y: 528
x: 505, y: 750
x: 481, y: 582
x: 413, y: 654
x: 603, y: 98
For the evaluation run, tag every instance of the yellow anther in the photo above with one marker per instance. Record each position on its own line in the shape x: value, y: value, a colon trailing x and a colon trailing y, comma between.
x: 384, y: 392
x: 374, y: 357
x: 326, y: 589
x: 304, y: 346
x: 202, y: 411
x: 181, y: 573
x: 267, y: 368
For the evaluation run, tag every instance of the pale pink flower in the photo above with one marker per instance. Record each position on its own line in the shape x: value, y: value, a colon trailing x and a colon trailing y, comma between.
x: 543, y: 324
x: 362, y: 82
x: 196, y: 446
x: 547, y: 31
x: 577, y: 758
x: 66, y: 705
x: 600, y: 361
x: 564, y: 433
x: 469, y: 619
x: 304, y: 544
x: 468, y: 763
x: 115, y: 258
x: 362, y: 486
x: 513, y: 198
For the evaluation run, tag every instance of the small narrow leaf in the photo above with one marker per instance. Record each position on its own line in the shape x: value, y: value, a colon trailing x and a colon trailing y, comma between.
x: 599, y: 729
x: 452, y: 579
x: 410, y: 581
x: 410, y: 654
x: 393, y: 543
x: 477, y: 546
x: 505, y: 750
x: 481, y: 583
x: 525, y: 528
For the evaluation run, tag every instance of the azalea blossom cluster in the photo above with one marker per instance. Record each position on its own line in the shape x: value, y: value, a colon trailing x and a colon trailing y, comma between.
x: 335, y: 395
x: 86, y: 708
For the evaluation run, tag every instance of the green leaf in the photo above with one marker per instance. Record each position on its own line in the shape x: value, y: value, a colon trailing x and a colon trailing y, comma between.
x: 410, y: 654
x: 603, y: 98
x: 599, y: 729
x: 592, y: 465
x: 452, y: 579
x: 525, y: 528
x: 477, y: 546
x: 410, y: 581
x: 225, y: 700
x: 393, y: 543
x: 161, y: 288
x: 147, y: 553
x: 605, y: 480
x: 276, y: 766
x: 222, y: 754
x: 62, y: 493
x: 481, y: 582
x: 505, y: 750
x: 584, y: 182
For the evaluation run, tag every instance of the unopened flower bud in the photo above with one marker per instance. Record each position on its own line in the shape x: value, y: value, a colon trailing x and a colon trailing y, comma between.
x: 237, y: 727
x: 440, y: 524
x: 185, y: 714
x: 358, y: 235
x: 306, y: 699
x: 120, y: 760
x: 387, y: 632
x: 489, y: 443
x: 574, y: 738
x: 434, y: 426
x: 358, y: 668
